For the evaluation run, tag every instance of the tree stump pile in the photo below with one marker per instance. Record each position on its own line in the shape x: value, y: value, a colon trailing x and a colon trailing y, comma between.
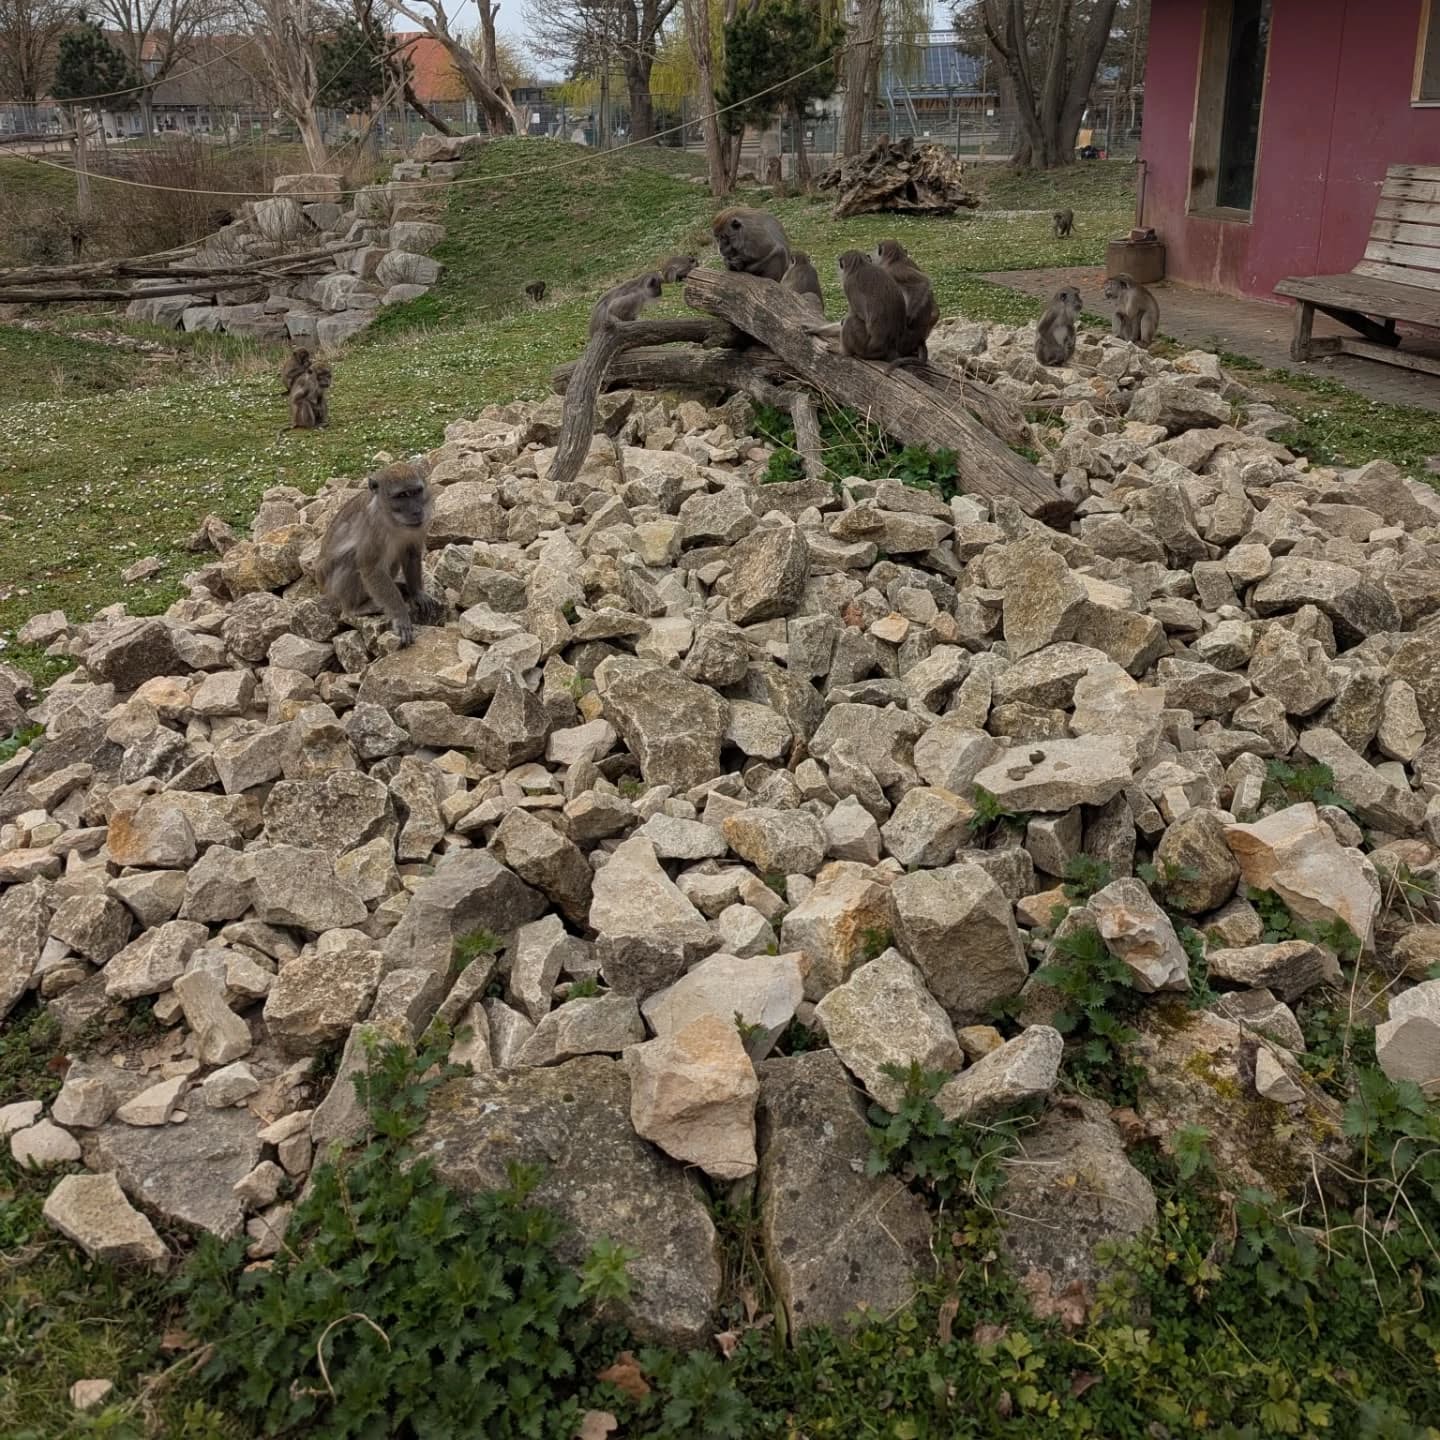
x: 754, y: 342
x: 899, y: 175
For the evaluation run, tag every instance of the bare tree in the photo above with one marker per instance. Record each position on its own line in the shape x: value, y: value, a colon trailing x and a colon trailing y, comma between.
x: 29, y: 30
x: 374, y: 24
x: 495, y: 104
x: 153, y: 35
x: 864, y: 42
x: 697, y: 28
x: 1048, y: 51
x: 286, y: 33
x: 595, y: 37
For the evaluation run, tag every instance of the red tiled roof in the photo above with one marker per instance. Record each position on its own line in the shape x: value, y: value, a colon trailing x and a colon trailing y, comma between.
x: 433, y: 73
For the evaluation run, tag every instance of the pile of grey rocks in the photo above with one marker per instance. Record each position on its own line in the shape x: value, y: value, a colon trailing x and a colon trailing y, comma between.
x: 398, y: 223
x: 734, y: 795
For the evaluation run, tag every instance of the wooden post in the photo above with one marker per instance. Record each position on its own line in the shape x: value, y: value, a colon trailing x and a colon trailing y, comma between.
x: 1304, y: 324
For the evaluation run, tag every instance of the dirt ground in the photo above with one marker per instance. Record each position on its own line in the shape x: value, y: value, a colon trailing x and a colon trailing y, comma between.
x: 1248, y: 327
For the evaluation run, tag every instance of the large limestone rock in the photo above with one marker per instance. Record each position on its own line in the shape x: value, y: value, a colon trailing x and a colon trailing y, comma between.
x: 647, y: 931
x: 24, y: 925
x: 1289, y: 968
x: 317, y: 998
x: 1201, y: 873
x: 1068, y: 1190
x: 1054, y: 775
x: 883, y: 1016
x: 1407, y: 1044
x: 693, y: 1092
x: 763, y: 991
x: 1294, y: 853
x: 151, y: 964
x: 469, y: 891
x: 768, y: 570
x: 785, y: 842
x: 573, y: 1122
x: 957, y: 927
x: 673, y: 726
x: 1138, y: 933
x: 836, y: 924
x: 298, y: 887
x: 835, y: 1239
x: 183, y: 1172
x: 586, y: 1025
x: 92, y: 1211
x: 1023, y: 1069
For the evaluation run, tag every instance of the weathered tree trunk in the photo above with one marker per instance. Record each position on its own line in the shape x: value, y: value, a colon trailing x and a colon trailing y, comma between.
x: 858, y: 69
x: 697, y: 29
x: 313, y: 140
x: 642, y: 105
x: 802, y: 156
x: 82, y: 173
x: 424, y: 111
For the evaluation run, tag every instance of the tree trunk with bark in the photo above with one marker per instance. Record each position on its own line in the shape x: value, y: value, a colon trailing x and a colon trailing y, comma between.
x: 81, y: 123
x: 697, y: 29
x: 858, y: 72
x: 499, y: 113
x: 638, y: 65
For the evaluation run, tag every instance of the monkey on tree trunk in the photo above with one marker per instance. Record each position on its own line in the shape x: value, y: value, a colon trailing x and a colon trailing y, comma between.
x: 875, y: 328
x: 1064, y: 223
x: 676, y: 268
x: 752, y: 242
x: 294, y: 368
x: 800, y: 279
x: 536, y: 290
x: 625, y: 301
x: 376, y: 533
x: 1055, y: 335
x: 1137, y: 312
x: 922, y: 310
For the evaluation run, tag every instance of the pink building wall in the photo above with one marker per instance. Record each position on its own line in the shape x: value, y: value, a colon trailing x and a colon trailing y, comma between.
x: 1336, y: 112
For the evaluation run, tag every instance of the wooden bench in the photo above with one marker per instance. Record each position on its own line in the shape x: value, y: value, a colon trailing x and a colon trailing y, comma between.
x: 1399, y: 278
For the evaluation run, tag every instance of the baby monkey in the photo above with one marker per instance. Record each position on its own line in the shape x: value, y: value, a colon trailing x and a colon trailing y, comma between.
x: 377, y: 532
x: 1137, y: 312
x: 625, y: 301
x: 1064, y: 223
x: 1055, y: 335
x: 536, y: 290
x: 310, y: 399
x: 800, y: 279
x: 294, y: 368
x: 676, y: 268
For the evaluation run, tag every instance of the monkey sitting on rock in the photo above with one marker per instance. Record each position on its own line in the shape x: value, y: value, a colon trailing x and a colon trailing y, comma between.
x: 1137, y: 312
x: 1055, y: 334
x: 625, y: 301
x: 376, y: 533
x: 752, y: 242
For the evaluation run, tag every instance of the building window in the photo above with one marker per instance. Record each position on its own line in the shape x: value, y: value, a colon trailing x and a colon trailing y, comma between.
x: 1228, y: 104
x: 1427, y: 57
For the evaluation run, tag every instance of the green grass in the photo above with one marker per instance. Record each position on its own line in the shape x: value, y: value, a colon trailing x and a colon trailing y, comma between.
x: 43, y: 365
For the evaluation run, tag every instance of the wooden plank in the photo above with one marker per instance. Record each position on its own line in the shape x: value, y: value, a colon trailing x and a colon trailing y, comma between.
x: 898, y: 402
x: 1410, y: 190
x: 1419, y: 212
x: 1415, y: 257
x: 1417, y: 279
x: 1406, y: 232
x: 1430, y: 364
x: 1369, y: 297
x: 1413, y: 172
x: 1302, y: 339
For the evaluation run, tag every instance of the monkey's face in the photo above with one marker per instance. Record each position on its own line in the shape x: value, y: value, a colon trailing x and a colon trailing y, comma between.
x: 1114, y: 289
x: 1071, y: 300
x: 652, y: 286
x: 401, y: 492
x: 889, y: 252
x: 730, y: 237
x: 851, y: 261
x: 300, y: 357
x: 322, y: 376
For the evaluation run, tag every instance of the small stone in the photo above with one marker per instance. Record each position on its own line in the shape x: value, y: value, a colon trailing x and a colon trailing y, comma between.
x: 18, y: 1115
x: 790, y: 842
x: 220, y: 1034
x: 1271, y: 1080
x: 851, y: 833
x: 229, y: 1086
x: 759, y: 992
x: 87, y: 1394
x: 43, y: 1144
x: 317, y: 998
x: 693, y: 1094
x: 154, y: 962
x: 587, y: 1025
x: 260, y: 1187
x: 84, y: 1102
x: 155, y: 1104
x: 92, y: 1211
x: 1289, y: 968
x: 1201, y: 873
x: 94, y: 926
x: 927, y: 827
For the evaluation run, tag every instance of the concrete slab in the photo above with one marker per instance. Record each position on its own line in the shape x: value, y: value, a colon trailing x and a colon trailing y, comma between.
x: 1252, y: 328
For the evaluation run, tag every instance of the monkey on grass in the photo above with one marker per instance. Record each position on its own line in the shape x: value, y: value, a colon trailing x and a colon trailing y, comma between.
x: 752, y: 242
x: 922, y: 310
x: 800, y: 279
x: 1064, y: 223
x: 1137, y: 312
x: 1055, y: 334
x: 294, y: 368
x: 310, y: 399
x: 376, y: 533
x: 536, y: 290
x: 625, y: 301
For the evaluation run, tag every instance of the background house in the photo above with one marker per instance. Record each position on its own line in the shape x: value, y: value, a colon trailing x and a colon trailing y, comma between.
x: 1269, y: 125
